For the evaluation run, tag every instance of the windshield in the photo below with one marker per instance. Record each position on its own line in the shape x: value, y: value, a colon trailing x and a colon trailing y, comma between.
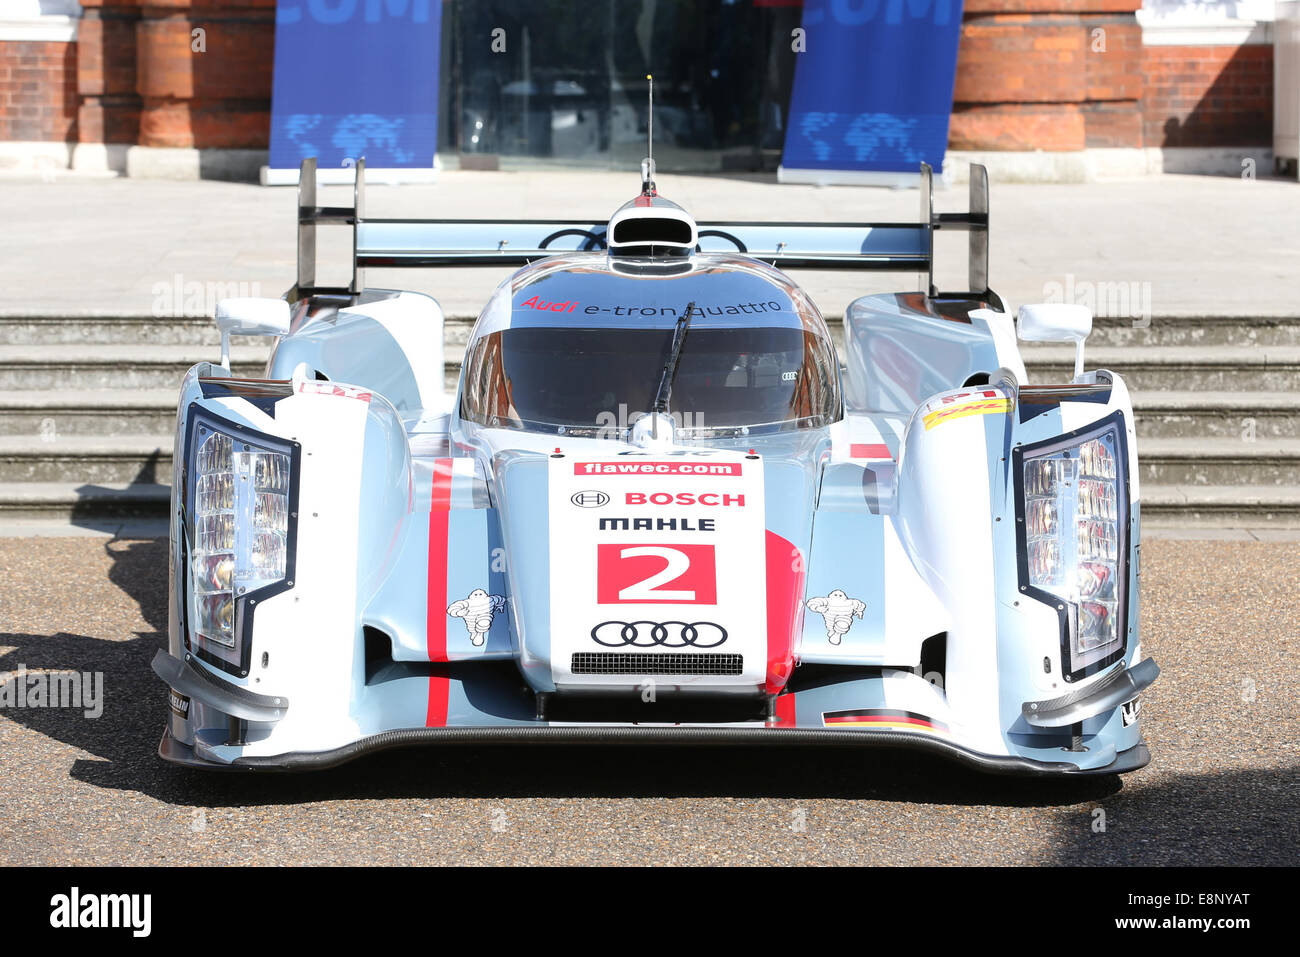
x: 599, y: 380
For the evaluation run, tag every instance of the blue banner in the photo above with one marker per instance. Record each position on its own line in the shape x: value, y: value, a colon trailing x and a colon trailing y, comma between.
x: 873, y: 85
x: 356, y: 78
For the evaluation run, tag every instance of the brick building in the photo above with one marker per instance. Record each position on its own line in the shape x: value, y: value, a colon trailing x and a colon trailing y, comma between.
x: 1045, y: 89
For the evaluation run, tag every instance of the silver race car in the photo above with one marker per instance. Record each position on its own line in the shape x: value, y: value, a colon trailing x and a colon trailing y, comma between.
x: 655, y: 507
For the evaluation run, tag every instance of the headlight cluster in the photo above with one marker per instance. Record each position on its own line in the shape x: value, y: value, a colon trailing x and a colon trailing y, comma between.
x: 1075, y: 524
x: 239, y: 530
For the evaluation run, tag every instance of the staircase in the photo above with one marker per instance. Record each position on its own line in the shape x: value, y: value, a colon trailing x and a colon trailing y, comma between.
x: 88, y: 412
x: 87, y: 409
x: 1217, y: 403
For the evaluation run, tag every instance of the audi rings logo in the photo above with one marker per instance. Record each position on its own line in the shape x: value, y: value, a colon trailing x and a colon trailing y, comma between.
x: 589, y: 499
x: 659, y: 634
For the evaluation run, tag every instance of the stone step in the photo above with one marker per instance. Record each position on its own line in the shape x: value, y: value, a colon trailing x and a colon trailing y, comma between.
x: 78, y: 367
x: 55, y: 413
x: 1220, y: 506
x: 51, y: 414
x: 184, y: 330
x: 125, y: 459
x: 1157, y: 331
x: 1162, y: 331
x: 87, y: 408
x: 77, y: 500
x: 1163, y: 506
x: 1177, y: 368
x: 91, y: 460
x: 1220, y: 462
x: 1218, y: 415
x: 109, y: 330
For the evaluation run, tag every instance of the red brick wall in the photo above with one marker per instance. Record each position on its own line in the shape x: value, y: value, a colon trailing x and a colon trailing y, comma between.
x: 143, y: 82
x: 1208, y: 96
x: 38, y: 90
x: 1031, y: 75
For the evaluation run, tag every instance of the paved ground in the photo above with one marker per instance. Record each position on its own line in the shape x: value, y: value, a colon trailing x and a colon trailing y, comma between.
x: 1194, y: 245
x: 1222, y: 723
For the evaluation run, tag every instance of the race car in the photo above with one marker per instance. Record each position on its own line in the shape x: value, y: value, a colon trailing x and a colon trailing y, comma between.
x: 656, y: 506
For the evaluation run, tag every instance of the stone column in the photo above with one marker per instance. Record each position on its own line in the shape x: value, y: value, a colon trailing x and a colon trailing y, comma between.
x: 204, y: 73
x: 109, y: 111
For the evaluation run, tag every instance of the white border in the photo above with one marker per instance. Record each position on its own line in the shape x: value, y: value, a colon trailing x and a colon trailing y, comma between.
x: 39, y: 21
x: 54, y: 29
x: 1186, y: 32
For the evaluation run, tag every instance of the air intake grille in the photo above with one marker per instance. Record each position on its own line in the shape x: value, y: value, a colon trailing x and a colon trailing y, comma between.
x: 624, y: 663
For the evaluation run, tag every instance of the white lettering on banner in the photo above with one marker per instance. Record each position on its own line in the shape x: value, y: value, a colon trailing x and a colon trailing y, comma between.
x: 343, y: 11
x: 856, y: 13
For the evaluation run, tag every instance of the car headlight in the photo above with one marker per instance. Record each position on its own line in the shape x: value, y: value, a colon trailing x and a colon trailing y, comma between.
x: 1073, y: 527
x: 240, y: 525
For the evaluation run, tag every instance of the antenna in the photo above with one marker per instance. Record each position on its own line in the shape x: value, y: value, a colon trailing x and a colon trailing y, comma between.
x: 648, y: 164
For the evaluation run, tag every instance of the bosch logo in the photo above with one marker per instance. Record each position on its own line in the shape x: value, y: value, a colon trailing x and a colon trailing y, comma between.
x: 589, y: 499
x: 659, y: 634
x: 685, y: 498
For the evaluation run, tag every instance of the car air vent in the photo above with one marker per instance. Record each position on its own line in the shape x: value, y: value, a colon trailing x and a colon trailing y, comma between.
x: 666, y: 663
x: 652, y: 229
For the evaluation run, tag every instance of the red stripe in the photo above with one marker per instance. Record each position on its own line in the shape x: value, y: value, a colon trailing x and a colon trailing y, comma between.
x: 436, y: 621
x: 436, y: 631
x: 785, y: 575
x: 439, y: 692
x: 875, y: 450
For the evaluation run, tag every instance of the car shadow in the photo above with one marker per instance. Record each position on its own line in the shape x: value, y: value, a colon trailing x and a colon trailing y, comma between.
x: 99, y: 508
x: 122, y: 744
x: 1220, y: 818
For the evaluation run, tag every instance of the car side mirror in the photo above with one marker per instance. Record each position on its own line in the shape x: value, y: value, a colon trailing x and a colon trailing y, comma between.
x: 250, y: 316
x: 1056, y: 322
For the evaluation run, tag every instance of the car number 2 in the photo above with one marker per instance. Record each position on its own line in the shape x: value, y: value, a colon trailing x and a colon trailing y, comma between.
x: 656, y: 574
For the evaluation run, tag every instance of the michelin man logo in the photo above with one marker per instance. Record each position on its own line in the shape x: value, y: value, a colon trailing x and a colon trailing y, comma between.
x: 478, y: 610
x: 838, y: 611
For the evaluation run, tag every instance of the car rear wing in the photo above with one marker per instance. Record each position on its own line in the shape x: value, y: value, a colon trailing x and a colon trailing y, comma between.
x: 883, y: 247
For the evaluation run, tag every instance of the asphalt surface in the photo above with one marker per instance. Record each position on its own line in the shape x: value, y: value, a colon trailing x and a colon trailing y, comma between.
x: 1223, y: 788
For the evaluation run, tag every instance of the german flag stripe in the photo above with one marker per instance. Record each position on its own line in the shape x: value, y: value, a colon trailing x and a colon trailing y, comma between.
x: 882, y: 718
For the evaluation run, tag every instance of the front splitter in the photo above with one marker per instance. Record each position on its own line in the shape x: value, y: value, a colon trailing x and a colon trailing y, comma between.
x: 176, y: 752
